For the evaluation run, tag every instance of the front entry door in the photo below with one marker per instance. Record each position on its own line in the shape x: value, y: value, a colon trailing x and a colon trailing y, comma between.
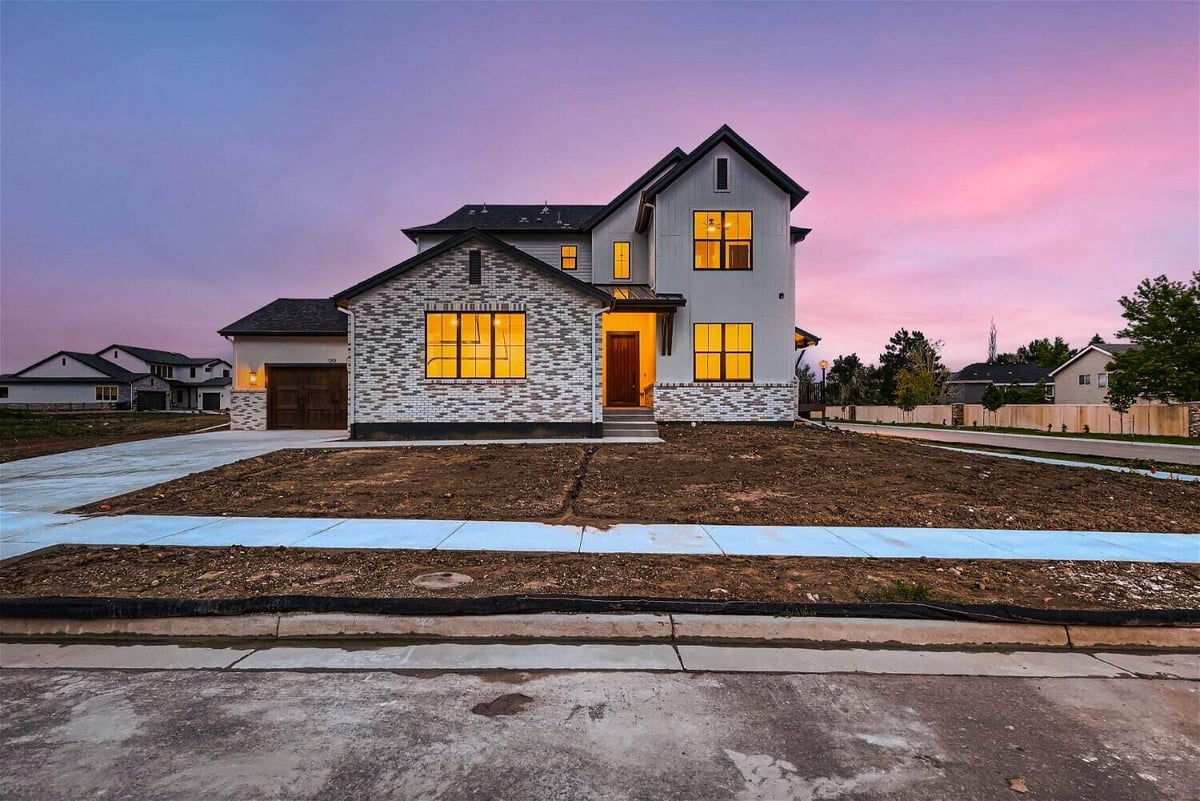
x: 623, y: 370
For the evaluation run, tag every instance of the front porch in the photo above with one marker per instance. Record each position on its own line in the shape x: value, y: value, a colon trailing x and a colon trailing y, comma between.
x: 636, y: 330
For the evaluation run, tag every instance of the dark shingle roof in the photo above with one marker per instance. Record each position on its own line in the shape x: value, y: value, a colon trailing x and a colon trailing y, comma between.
x: 1003, y: 374
x: 218, y: 381
x: 511, y: 219
x: 91, y: 360
x: 291, y: 317
x: 151, y: 355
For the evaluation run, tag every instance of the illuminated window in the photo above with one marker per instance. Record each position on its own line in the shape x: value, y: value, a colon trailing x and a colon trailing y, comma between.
x: 474, y: 345
x: 568, y: 254
x: 722, y: 240
x: 621, y: 260
x: 621, y: 293
x: 106, y: 393
x: 723, y: 351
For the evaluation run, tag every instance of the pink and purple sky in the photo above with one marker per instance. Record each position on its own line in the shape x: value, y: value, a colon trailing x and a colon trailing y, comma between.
x: 168, y: 168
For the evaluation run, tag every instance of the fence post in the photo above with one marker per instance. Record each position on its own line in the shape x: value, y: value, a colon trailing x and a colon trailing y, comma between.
x: 957, y: 414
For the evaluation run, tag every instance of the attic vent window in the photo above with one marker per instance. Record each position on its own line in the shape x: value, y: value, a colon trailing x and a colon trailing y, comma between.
x: 722, y: 177
x: 475, y: 267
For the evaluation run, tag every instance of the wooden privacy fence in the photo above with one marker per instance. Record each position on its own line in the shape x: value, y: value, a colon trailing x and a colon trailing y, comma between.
x: 1151, y: 419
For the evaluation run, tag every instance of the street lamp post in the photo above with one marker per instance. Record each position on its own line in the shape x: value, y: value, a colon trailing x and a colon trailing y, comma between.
x: 824, y: 364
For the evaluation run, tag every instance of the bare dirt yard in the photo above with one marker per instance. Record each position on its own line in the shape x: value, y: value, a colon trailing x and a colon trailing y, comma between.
x: 733, y: 474
x: 237, y: 572
x: 27, y: 434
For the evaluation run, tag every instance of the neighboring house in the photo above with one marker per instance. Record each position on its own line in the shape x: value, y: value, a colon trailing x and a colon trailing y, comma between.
x: 1083, y: 378
x: 969, y: 383
x: 195, y: 383
x: 70, y: 378
x: 673, y: 302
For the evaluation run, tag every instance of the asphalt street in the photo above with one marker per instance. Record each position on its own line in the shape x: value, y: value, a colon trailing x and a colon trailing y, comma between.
x: 383, y: 734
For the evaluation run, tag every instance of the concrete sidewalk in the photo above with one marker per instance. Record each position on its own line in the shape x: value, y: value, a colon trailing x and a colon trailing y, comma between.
x: 25, y: 532
x: 1115, y: 449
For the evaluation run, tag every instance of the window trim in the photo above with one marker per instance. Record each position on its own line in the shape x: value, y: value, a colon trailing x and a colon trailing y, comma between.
x: 458, y: 345
x: 3, y: 392
x: 723, y: 240
x: 574, y: 257
x: 115, y: 393
x: 628, y: 260
x: 1085, y: 379
x: 717, y: 173
x: 722, y: 380
x: 1102, y: 380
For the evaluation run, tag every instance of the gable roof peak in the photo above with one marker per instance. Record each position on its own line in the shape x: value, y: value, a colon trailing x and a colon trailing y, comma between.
x: 726, y: 134
x: 469, y: 235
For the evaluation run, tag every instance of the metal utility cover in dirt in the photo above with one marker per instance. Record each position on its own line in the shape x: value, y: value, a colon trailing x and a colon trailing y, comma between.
x: 441, y: 581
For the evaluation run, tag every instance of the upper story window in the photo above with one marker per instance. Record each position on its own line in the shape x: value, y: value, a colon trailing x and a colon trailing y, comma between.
x: 722, y: 240
x: 569, y: 255
x: 193, y: 373
x: 1102, y: 380
x: 621, y: 260
x: 721, y: 176
x: 723, y: 351
x: 1085, y: 379
x: 470, y: 345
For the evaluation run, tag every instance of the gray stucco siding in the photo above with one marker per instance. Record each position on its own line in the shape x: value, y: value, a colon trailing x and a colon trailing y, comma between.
x: 387, y: 364
x: 730, y: 296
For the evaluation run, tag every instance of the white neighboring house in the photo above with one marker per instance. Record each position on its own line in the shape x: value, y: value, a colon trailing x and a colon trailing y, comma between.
x: 71, y: 378
x: 675, y: 301
x: 118, y: 377
x: 1083, y: 378
x: 195, y: 383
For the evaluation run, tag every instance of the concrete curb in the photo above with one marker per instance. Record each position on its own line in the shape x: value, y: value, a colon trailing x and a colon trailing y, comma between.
x: 678, y: 629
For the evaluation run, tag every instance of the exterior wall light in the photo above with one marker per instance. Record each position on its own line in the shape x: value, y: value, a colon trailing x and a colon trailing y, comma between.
x: 253, y: 378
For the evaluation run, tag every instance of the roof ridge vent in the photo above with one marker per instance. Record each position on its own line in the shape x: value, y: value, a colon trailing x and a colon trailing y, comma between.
x: 484, y: 209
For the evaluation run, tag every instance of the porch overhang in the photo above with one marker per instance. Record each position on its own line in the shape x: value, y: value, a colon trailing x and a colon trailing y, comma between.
x: 641, y: 298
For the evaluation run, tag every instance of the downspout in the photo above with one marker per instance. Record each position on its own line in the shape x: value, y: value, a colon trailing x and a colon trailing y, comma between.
x: 596, y: 416
x: 352, y: 369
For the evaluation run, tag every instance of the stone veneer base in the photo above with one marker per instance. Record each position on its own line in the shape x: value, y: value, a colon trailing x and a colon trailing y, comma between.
x: 482, y: 430
x: 248, y: 410
x: 724, y: 402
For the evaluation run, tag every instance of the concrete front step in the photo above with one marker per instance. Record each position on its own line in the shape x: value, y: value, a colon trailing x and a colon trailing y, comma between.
x: 630, y: 423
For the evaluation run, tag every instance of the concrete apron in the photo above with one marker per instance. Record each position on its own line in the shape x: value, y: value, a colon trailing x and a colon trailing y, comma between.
x: 364, y: 630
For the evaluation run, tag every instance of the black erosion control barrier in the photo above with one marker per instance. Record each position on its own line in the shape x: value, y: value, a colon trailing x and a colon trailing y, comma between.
x: 126, y: 608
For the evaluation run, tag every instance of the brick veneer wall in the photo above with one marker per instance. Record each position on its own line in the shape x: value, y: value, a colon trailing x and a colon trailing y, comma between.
x: 387, y: 360
x: 725, y: 402
x: 248, y: 410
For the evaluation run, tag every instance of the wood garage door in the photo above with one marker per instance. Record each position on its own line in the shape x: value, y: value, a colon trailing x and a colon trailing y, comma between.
x: 306, y: 397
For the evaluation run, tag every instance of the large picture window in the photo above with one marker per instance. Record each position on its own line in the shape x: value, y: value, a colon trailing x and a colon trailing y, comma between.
x: 621, y: 260
x: 724, y: 351
x: 722, y: 240
x: 106, y: 393
x: 474, y: 345
x: 569, y: 254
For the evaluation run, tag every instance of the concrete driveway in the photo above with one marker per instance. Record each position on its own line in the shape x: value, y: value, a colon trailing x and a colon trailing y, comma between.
x: 65, y: 480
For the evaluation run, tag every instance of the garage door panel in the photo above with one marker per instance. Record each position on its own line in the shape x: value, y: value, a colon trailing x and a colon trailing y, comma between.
x: 306, y: 397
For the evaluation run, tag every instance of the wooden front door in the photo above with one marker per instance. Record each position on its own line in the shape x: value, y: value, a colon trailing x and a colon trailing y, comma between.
x: 306, y: 397
x: 623, y: 370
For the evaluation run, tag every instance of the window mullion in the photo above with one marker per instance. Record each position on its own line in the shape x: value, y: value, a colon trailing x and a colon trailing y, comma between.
x: 492, y: 338
x: 722, y: 357
x: 458, y: 345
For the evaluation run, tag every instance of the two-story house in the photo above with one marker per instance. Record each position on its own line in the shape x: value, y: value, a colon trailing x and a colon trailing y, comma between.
x: 1083, y: 378
x: 673, y: 302
x: 194, y: 382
